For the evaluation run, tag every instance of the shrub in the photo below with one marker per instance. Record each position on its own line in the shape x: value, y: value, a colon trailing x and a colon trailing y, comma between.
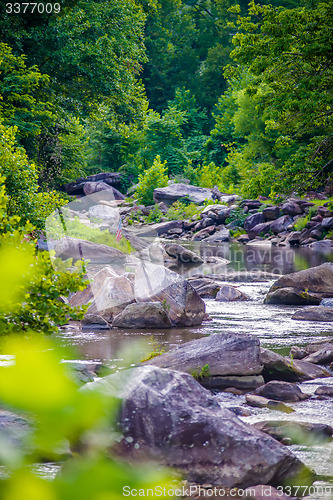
x: 151, y: 179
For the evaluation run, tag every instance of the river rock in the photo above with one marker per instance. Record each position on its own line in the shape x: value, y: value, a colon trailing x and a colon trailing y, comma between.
x: 220, y: 236
x: 253, y: 220
x: 281, y: 391
x: 182, y: 254
x: 173, y: 192
x: 314, y: 313
x: 324, y: 390
x: 154, y: 283
x: 295, y: 432
x: 291, y: 208
x: 244, y: 383
x: 144, y: 315
x: 206, y: 288
x: 261, y: 402
x: 224, y: 353
x: 304, y: 287
x: 260, y: 229
x: 97, y: 253
x: 184, y: 427
x: 281, y: 224
x: 277, y: 367
x: 107, y: 295
x: 108, y: 214
x: 94, y: 322
x: 230, y: 294
x: 271, y: 212
x: 321, y: 357
x: 101, y: 187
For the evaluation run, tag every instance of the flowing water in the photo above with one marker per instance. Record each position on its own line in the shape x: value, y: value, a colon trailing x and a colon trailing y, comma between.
x: 271, y: 323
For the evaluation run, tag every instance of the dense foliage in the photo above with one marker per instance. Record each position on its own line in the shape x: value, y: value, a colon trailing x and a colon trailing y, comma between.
x: 231, y: 94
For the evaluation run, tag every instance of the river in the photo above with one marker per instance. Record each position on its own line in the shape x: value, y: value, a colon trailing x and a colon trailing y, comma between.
x: 271, y: 323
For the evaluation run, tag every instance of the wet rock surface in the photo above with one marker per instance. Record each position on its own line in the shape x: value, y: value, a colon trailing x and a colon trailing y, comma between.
x: 223, y: 354
x: 187, y: 429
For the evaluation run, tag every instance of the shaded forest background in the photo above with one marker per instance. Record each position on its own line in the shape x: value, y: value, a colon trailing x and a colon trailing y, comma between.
x: 237, y: 95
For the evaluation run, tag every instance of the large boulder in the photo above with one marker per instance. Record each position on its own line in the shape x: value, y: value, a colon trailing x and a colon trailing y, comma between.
x: 281, y: 224
x: 220, y: 236
x: 144, y: 315
x: 296, y: 432
x: 304, y: 287
x: 167, y: 416
x: 253, y: 220
x: 100, y: 187
x: 281, y: 391
x: 277, y: 367
x: 229, y: 293
x: 174, y: 192
x: 222, y: 354
x: 78, y: 249
x: 107, y: 295
x: 314, y: 313
x: 181, y: 254
x: 109, y: 178
x: 155, y: 283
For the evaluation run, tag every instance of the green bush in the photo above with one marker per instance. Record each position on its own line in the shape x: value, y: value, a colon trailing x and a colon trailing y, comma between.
x: 151, y: 179
x: 36, y: 299
x: 180, y: 210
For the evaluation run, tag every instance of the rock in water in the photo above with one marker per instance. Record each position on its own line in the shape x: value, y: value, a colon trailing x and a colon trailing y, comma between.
x: 107, y: 295
x: 229, y: 294
x: 167, y: 416
x: 224, y: 353
x: 154, y: 283
x: 314, y: 313
x: 144, y: 315
x: 304, y: 287
x: 277, y: 367
x: 281, y: 391
x: 183, y: 255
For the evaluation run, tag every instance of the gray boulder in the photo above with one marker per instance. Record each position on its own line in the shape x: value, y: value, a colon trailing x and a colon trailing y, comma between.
x: 183, y: 255
x: 144, y: 315
x: 173, y: 192
x: 167, y: 416
x: 107, y: 295
x: 97, y: 253
x: 253, y: 220
x: 321, y: 357
x: 158, y: 229
x: 304, y: 287
x: 260, y: 229
x: 281, y: 224
x: 261, y: 402
x: 220, y: 236
x: 277, y: 367
x: 222, y: 354
x: 229, y: 294
x: 314, y: 313
x: 271, y: 212
x: 291, y: 208
x: 290, y: 432
x: 281, y: 391
x: 154, y: 283
x: 324, y: 390
x: 94, y: 322
x: 106, y: 191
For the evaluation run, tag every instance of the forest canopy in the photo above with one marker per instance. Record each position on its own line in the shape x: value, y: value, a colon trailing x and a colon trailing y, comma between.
x: 237, y: 95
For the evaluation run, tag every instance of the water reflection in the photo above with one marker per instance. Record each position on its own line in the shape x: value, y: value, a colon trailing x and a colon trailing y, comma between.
x: 257, y: 257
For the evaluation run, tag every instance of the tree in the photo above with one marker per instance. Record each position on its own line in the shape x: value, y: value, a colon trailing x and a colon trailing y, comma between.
x: 289, y: 52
